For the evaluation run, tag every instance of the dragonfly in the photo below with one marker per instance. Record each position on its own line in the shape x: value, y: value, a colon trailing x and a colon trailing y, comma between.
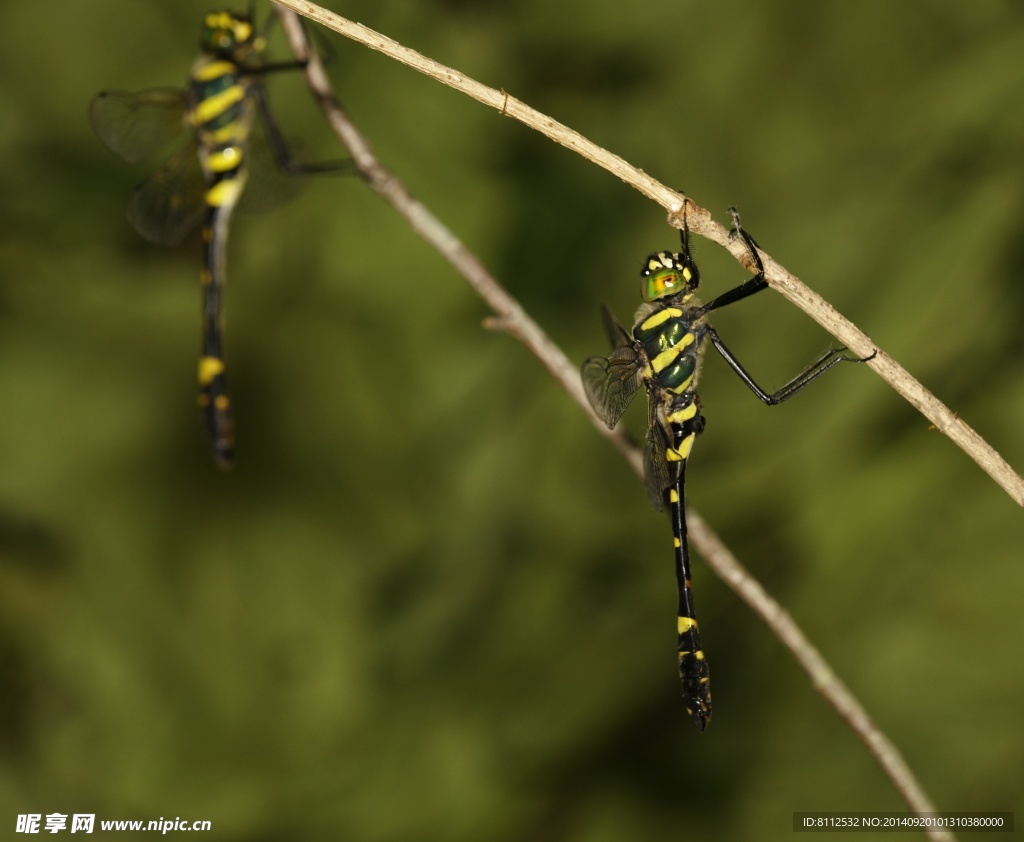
x: 663, y: 353
x: 204, y: 179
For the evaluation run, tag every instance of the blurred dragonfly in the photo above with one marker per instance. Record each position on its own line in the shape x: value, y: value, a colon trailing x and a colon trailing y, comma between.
x: 205, y: 178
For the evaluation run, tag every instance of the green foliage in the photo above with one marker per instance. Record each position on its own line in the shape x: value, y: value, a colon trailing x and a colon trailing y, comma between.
x: 430, y: 603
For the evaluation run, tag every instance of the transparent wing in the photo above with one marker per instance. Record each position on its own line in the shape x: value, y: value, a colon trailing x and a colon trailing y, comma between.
x: 135, y: 126
x: 617, y: 335
x: 611, y: 382
x: 656, y: 472
x: 267, y: 187
x: 169, y: 203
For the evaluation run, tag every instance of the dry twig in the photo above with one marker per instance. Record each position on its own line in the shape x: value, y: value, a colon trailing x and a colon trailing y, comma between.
x: 510, y: 318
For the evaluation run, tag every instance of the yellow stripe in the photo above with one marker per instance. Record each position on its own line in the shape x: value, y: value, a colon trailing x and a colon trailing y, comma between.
x: 209, y: 367
x: 661, y: 317
x: 673, y: 497
x: 226, y: 133
x: 664, y: 359
x: 686, y: 623
x: 217, y: 20
x: 206, y: 72
x: 684, y: 414
x: 686, y: 446
x: 682, y: 387
x: 675, y: 543
x: 214, y: 106
x: 224, y: 159
x: 224, y: 192
x: 673, y: 455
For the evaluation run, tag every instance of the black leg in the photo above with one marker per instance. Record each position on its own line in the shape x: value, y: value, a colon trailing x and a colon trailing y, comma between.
x: 812, y: 372
x: 684, y: 232
x: 277, y: 67
x: 748, y: 288
x: 279, y: 147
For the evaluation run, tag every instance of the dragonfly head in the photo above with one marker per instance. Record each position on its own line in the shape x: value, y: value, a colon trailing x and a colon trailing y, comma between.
x: 225, y: 32
x: 668, y: 273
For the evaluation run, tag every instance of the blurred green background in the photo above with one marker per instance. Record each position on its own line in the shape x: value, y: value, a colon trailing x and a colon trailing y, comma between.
x: 431, y: 602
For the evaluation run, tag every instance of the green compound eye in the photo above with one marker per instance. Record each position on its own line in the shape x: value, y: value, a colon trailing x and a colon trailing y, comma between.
x: 664, y: 274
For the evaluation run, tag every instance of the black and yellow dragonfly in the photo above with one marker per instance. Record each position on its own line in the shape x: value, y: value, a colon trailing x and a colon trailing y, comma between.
x: 204, y: 179
x: 663, y: 353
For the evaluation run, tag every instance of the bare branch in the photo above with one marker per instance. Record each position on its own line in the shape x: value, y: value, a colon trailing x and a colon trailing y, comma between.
x: 512, y: 319
x: 699, y: 221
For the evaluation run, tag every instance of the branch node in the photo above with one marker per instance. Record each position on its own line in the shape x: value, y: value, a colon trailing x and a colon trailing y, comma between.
x: 499, y: 324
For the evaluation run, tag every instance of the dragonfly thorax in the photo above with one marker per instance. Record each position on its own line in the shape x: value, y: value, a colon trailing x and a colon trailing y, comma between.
x: 669, y: 338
